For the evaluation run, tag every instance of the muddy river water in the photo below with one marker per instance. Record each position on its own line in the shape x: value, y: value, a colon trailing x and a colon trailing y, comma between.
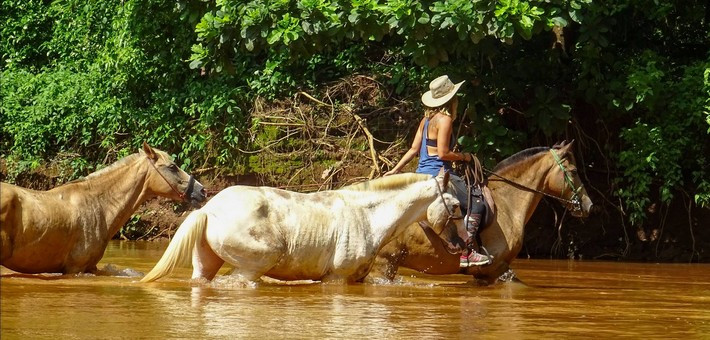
x: 559, y: 299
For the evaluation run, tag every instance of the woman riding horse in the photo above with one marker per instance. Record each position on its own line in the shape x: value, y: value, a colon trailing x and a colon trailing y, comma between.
x: 436, y: 154
x: 518, y: 183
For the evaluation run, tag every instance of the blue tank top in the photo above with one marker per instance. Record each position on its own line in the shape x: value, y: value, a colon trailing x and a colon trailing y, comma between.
x: 430, y: 164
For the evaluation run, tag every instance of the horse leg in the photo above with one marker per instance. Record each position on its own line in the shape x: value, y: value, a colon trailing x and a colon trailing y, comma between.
x: 251, y: 260
x: 393, y: 263
x: 389, y: 259
x: 490, y: 274
x: 205, y: 263
x: 92, y: 269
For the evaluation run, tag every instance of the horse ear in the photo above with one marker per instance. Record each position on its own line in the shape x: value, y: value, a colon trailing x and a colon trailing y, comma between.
x: 566, y: 147
x: 149, y: 152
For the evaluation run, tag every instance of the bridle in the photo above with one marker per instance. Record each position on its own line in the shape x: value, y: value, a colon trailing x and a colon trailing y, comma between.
x: 575, y: 201
x: 182, y: 195
x: 450, y: 217
x: 450, y: 214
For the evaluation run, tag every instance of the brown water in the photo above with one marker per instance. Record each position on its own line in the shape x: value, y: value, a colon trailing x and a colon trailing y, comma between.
x: 561, y: 299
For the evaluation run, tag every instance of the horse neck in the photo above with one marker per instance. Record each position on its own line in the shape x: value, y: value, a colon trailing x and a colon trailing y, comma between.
x: 395, y: 210
x: 519, y: 204
x: 116, y: 192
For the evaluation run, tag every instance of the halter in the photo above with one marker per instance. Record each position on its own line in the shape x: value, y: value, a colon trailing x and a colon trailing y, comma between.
x: 450, y: 217
x: 575, y: 201
x: 450, y: 213
x: 182, y: 195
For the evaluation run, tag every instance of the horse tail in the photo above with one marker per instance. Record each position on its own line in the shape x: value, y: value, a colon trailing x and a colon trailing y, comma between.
x: 179, y: 250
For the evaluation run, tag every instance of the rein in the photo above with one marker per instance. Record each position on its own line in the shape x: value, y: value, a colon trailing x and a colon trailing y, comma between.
x: 182, y: 195
x: 575, y: 201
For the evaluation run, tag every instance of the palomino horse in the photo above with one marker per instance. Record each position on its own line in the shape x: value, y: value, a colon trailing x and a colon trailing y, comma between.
x: 67, y: 229
x: 327, y: 235
x: 518, y: 183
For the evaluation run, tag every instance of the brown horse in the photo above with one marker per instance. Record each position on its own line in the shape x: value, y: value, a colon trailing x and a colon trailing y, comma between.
x: 518, y: 183
x: 67, y: 229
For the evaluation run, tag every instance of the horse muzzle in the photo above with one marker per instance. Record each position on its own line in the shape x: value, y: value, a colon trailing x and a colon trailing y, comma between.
x: 195, y: 192
x: 582, y: 209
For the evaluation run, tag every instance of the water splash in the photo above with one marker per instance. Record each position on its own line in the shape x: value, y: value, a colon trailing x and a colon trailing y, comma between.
x: 111, y: 270
x: 396, y: 282
x: 231, y: 281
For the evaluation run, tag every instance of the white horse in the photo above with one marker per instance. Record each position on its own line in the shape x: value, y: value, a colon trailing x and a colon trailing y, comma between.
x: 327, y: 236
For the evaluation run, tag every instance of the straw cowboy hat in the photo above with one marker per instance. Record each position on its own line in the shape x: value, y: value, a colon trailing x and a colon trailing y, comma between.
x: 441, y: 90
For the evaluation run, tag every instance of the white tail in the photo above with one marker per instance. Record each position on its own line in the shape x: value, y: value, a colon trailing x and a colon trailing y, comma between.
x: 179, y: 250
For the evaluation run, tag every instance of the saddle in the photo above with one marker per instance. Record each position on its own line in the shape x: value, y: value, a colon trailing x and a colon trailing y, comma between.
x: 473, y: 175
x: 482, y: 191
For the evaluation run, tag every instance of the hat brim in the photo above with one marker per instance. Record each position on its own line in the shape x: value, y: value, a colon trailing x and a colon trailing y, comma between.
x: 429, y: 100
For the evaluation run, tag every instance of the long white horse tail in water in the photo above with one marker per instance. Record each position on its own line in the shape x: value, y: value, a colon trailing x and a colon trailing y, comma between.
x: 179, y: 251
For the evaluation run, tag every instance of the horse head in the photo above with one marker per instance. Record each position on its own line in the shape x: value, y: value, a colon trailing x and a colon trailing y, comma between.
x: 172, y: 182
x: 444, y: 215
x: 563, y: 181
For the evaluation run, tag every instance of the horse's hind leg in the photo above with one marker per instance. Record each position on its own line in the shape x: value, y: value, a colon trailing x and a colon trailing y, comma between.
x: 205, y: 262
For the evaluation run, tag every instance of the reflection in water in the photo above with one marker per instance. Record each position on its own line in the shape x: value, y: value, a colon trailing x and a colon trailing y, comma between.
x: 560, y: 299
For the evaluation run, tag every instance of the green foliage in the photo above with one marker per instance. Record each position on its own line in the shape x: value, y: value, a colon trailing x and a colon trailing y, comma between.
x: 23, y: 33
x: 56, y: 111
x: 115, y: 76
x: 238, y: 30
x: 706, y: 86
x: 664, y: 150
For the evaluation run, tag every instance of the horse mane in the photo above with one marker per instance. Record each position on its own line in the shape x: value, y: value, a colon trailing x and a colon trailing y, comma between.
x: 388, y: 183
x: 519, y: 156
x: 119, y: 163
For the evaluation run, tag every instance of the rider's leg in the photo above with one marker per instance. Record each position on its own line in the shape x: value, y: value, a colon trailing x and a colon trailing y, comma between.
x: 473, y: 221
x: 469, y: 257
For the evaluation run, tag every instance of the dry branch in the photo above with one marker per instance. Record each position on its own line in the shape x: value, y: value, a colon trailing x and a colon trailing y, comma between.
x: 318, y: 141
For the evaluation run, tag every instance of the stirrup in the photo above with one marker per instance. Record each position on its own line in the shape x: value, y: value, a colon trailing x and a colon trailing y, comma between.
x: 488, y: 255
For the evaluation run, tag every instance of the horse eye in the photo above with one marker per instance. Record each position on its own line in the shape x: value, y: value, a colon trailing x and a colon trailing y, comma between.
x: 173, y: 168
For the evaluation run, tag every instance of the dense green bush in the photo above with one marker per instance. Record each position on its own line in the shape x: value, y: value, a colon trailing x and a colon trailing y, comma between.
x: 112, y: 73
